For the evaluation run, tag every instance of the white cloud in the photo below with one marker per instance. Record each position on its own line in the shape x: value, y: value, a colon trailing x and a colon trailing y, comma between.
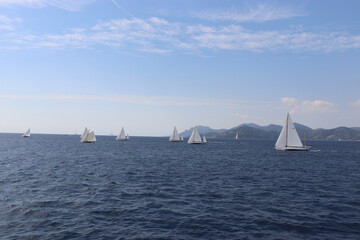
x: 8, y: 24
x: 290, y: 102
x: 308, y: 106
x: 356, y: 103
x: 70, y: 5
x: 132, y: 99
x: 158, y: 35
x: 260, y: 13
x: 241, y: 115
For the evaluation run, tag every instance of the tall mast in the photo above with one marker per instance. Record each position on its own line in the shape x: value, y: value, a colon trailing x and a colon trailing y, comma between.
x: 287, y: 129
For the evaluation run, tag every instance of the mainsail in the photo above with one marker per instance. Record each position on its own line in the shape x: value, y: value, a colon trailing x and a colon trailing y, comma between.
x: 289, y: 138
x: 27, y: 133
x: 122, y: 136
x: 175, y: 136
x: 84, y: 132
x: 89, y: 137
x: 195, y: 137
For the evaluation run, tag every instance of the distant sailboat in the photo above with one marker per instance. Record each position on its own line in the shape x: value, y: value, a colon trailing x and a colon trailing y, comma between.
x: 237, y: 135
x: 289, y: 139
x: 195, y: 137
x: 204, y: 139
x: 27, y: 133
x: 175, y: 136
x: 122, y: 136
x: 89, y: 137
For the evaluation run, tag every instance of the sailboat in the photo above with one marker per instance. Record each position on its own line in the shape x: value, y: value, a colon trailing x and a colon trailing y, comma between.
x: 195, y: 137
x: 122, y: 136
x: 89, y: 137
x: 204, y: 139
x: 237, y: 135
x: 175, y: 136
x: 289, y: 139
x: 27, y: 133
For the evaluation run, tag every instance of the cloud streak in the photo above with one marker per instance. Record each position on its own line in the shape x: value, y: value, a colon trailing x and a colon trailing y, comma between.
x: 69, y: 5
x: 260, y: 13
x: 315, y: 106
x: 132, y: 99
x: 157, y: 35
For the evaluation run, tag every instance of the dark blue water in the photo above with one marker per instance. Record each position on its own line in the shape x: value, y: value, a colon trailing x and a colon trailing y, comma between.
x: 54, y: 187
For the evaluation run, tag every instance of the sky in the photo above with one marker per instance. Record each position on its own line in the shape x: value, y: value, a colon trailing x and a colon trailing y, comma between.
x: 153, y: 65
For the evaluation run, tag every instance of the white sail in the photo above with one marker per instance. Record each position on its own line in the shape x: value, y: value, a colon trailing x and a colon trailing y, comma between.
x: 89, y: 137
x: 122, y: 136
x: 27, y: 133
x: 84, y: 132
x: 293, y: 139
x: 204, y: 139
x: 195, y: 137
x: 127, y: 137
x: 174, y: 136
x: 289, y: 138
x: 237, y: 135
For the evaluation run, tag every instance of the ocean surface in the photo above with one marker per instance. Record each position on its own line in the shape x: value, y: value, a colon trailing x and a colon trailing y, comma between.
x: 54, y: 187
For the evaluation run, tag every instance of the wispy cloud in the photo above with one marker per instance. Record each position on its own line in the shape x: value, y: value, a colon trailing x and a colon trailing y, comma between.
x: 356, y: 103
x: 260, y: 13
x: 8, y: 24
x: 132, y: 99
x: 319, y: 106
x: 157, y: 35
x: 70, y: 5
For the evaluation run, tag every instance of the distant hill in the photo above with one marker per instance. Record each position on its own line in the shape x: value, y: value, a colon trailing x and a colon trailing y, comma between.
x: 250, y: 130
x: 202, y: 130
x: 356, y: 128
x: 246, y: 132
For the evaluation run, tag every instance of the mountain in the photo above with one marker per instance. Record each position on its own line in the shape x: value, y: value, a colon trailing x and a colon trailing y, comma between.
x: 246, y: 132
x: 356, y: 128
x: 272, y: 131
x: 202, y: 130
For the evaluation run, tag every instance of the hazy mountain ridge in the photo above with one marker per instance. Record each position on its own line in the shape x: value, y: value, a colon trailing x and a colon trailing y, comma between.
x: 254, y: 131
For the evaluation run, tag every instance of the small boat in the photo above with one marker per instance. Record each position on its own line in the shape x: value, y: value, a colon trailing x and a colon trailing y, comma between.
x: 289, y: 139
x: 175, y: 136
x: 122, y: 136
x: 89, y: 137
x: 204, y: 139
x: 195, y: 137
x: 27, y: 133
x: 237, y: 135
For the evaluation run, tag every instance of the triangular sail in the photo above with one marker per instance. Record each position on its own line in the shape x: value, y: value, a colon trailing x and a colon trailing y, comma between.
x: 85, y: 131
x: 122, y: 135
x: 195, y: 137
x: 237, y: 135
x: 27, y: 133
x: 88, y: 137
x: 174, y: 136
x: 204, y: 139
x: 288, y: 136
x: 293, y: 139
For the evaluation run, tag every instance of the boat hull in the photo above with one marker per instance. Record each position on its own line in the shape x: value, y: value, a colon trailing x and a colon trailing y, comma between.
x: 293, y: 149
x: 197, y: 143
x: 175, y: 140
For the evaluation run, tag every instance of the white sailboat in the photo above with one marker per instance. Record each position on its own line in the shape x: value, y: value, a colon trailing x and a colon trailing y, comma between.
x: 195, y: 137
x: 175, y: 136
x: 204, y: 139
x: 89, y: 137
x: 27, y: 133
x: 289, y: 139
x: 237, y: 135
x: 122, y: 136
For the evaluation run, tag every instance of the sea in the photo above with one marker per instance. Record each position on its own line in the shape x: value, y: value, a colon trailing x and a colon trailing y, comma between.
x: 54, y: 187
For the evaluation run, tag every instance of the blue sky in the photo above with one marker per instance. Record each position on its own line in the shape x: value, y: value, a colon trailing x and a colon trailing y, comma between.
x: 150, y: 65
